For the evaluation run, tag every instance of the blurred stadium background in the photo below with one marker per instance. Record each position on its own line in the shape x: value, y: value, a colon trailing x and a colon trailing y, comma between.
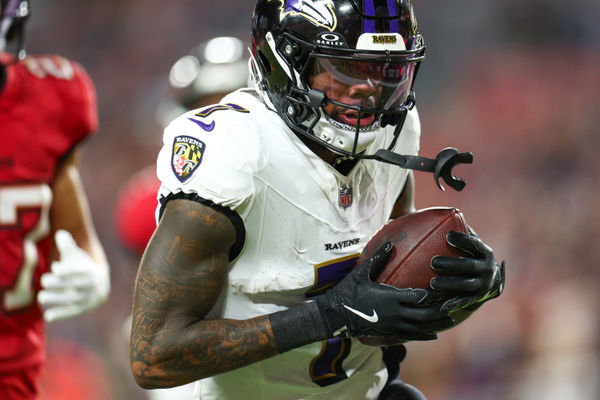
x: 515, y: 81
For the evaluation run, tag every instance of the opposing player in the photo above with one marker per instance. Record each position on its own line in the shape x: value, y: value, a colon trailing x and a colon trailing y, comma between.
x: 49, y: 252
x: 249, y: 282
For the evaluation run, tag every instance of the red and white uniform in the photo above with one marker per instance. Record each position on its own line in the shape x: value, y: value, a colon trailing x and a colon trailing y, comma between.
x: 135, y: 209
x: 47, y: 106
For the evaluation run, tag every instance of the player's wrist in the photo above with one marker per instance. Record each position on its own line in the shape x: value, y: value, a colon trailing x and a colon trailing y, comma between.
x: 331, y: 315
x: 298, y: 326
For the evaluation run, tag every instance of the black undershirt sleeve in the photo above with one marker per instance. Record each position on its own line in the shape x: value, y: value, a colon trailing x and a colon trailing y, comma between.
x: 233, y: 216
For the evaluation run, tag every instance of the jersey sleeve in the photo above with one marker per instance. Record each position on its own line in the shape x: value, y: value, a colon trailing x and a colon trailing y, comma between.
x: 63, y: 91
x: 83, y: 121
x: 208, y: 156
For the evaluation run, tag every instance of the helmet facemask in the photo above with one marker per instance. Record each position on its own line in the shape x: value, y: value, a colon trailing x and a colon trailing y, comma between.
x: 342, y: 98
x: 376, y: 42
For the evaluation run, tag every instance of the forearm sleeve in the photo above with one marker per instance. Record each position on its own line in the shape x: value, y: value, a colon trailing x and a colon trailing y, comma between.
x: 297, y: 326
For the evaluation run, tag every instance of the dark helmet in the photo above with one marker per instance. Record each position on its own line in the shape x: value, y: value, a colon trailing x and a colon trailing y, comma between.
x: 374, y: 43
x: 13, y: 14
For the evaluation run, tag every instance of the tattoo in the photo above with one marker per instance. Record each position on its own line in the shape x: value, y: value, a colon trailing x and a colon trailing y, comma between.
x: 179, y: 281
x: 172, y: 255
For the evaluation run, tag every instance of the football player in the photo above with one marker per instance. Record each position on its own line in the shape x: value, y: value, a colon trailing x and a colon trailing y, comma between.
x: 250, y: 282
x: 52, y: 265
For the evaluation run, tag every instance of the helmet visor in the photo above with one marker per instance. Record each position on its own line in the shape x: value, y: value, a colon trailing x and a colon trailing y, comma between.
x: 374, y: 85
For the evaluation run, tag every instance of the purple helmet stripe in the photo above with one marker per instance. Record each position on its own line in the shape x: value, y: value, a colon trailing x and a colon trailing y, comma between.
x: 292, y: 5
x: 369, y: 25
x: 394, y: 27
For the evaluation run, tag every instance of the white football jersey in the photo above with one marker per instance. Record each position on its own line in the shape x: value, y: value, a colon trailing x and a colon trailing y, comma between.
x: 305, y: 226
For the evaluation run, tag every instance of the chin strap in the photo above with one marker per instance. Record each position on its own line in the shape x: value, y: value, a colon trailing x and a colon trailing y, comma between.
x: 441, y: 166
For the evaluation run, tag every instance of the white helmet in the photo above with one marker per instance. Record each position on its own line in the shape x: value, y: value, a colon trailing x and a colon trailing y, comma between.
x: 214, y: 67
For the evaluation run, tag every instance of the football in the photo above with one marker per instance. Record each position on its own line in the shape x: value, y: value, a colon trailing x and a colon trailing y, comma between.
x: 416, y: 238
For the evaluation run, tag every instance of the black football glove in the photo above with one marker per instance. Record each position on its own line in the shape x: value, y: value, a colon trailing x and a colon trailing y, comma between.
x: 358, y: 306
x: 478, y: 278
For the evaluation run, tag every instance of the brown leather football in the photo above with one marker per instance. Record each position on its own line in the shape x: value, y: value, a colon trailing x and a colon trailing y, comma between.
x: 417, y: 237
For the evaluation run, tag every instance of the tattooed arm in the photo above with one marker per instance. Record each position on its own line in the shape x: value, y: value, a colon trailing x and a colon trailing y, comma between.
x: 182, y: 274
x: 179, y: 280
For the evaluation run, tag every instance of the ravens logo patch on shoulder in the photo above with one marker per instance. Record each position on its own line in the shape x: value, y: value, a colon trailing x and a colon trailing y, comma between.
x: 186, y: 157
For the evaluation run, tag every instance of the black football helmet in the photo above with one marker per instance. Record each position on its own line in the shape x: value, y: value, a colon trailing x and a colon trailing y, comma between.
x: 374, y: 43
x: 13, y: 15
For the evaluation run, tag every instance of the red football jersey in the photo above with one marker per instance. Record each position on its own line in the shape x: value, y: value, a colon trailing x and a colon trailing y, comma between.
x: 135, y: 209
x: 47, y: 106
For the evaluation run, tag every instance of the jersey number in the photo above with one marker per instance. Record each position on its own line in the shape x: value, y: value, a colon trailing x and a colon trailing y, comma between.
x: 54, y: 66
x: 24, y: 209
x: 326, y: 368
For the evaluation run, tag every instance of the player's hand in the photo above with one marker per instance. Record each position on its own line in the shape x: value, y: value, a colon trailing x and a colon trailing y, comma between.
x: 478, y: 276
x: 75, y: 283
x: 360, y: 307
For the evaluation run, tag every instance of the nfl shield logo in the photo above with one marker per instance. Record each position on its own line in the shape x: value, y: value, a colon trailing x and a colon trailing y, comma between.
x: 345, y: 197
